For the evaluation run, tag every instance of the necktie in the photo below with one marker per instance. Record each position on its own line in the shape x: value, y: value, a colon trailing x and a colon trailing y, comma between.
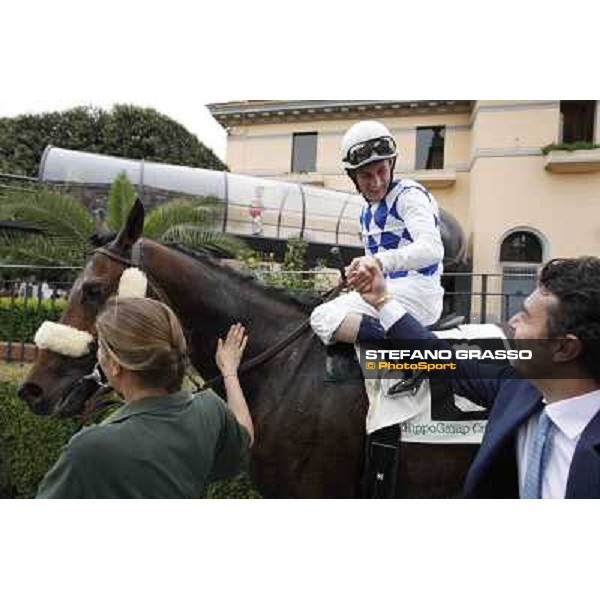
x: 538, y: 456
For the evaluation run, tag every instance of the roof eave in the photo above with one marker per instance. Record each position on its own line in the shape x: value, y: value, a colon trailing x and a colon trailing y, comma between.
x: 246, y: 113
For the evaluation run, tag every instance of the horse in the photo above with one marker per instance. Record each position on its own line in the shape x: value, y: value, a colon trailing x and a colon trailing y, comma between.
x: 310, y: 433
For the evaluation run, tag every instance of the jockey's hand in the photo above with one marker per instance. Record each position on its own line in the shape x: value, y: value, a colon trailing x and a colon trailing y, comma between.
x: 359, y: 275
x: 354, y: 265
x: 368, y: 280
x: 229, y: 352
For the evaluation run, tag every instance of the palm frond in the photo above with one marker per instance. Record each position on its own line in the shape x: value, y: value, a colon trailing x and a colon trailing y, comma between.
x: 21, y: 248
x: 120, y: 200
x: 197, y: 238
x: 210, y: 202
x: 178, y: 212
x: 57, y: 215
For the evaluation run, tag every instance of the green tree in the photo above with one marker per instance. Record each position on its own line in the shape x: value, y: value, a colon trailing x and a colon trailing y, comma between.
x: 137, y: 132
x: 125, y: 130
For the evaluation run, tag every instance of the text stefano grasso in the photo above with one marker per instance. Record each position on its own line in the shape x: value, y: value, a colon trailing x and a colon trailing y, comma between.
x: 471, y: 354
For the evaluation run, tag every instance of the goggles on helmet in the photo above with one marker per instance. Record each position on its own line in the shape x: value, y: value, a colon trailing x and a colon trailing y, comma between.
x: 383, y: 147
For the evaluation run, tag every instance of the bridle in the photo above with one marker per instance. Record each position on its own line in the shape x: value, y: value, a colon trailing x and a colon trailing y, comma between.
x: 92, y: 406
x: 136, y: 260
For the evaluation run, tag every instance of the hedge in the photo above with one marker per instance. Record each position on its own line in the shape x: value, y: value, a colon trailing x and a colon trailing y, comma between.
x: 30, y: 444
x: 20, y: 318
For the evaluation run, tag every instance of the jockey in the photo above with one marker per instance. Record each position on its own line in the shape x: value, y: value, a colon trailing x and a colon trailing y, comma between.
x: 400, y: 227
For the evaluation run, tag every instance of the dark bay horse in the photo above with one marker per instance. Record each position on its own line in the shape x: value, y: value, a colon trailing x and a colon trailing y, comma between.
x: 310, y: 434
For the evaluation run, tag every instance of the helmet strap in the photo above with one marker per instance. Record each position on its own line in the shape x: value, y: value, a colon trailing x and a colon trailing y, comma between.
x: 392, y: 167
x: 352, y: 174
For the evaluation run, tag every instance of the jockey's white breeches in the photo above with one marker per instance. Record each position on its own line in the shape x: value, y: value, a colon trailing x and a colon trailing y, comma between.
x: 422, y: 298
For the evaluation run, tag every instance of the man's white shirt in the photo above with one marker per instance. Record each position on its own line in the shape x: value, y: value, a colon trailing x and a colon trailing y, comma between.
x: 569, y: 418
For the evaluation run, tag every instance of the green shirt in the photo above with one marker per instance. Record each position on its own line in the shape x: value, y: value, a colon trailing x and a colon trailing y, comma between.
x: 161, y: 447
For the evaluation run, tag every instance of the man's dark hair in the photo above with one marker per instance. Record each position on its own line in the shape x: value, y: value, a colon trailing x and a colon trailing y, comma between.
x: 576, y: 284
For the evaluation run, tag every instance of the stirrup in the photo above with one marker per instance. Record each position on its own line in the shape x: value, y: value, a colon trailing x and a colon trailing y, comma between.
x: 448, y: 322
x: 412, y: 384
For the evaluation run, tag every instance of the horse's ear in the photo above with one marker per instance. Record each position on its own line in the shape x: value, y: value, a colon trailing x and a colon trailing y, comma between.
x: 132, y: 230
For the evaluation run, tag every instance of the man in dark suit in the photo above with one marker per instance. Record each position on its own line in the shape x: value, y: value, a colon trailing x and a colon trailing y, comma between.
x: 542, y: 439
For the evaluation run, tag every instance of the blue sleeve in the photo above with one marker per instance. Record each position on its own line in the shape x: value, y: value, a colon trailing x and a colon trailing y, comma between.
x: 477, y: 382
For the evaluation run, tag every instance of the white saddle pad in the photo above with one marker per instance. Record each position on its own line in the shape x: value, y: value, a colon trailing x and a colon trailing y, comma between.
x: 413, y: 410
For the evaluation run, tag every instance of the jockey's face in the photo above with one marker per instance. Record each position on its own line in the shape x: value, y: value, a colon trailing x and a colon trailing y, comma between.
x: 373, y: 179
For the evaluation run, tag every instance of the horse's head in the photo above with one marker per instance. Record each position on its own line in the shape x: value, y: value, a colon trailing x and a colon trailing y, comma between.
x: 57, y: 381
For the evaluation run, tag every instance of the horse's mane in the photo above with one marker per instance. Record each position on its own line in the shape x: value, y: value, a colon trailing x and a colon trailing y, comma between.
x: 306, y: 302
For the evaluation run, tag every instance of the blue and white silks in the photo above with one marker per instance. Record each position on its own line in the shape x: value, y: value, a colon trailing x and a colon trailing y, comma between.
x: 403, y: 232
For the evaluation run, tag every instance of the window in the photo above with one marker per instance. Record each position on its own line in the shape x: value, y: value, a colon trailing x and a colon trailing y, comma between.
x: 517, y: 284
x: 521, y: 246
x: 519, y: 280
x: 304, y: 153
x: 577, y: 121
x: 430, y: 147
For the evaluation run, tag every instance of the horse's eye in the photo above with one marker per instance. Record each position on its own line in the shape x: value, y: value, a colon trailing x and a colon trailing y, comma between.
x: 92, y: 292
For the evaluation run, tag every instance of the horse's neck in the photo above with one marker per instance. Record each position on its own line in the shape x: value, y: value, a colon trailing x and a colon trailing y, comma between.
x: 208, y: 298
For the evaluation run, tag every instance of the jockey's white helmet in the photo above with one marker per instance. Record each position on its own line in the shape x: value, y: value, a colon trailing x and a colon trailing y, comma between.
x: 365, y: 142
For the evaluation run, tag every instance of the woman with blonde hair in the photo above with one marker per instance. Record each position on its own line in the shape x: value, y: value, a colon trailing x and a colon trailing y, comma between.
x: 164, y: 442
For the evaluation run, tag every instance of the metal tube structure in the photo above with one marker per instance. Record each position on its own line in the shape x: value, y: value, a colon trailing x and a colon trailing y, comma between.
x: 287, y: 209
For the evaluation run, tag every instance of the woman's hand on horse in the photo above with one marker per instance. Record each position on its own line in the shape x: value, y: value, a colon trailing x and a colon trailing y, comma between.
x: 229, y: 352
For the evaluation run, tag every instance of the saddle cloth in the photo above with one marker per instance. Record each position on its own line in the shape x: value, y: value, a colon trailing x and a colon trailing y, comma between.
x: 431, y: 413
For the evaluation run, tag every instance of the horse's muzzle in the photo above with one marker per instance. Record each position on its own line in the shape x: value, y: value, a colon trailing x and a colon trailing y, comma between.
x: 67, y: 402
x: 33, y: 395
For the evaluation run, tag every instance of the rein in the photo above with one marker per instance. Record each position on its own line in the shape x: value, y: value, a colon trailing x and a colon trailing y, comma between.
x: 280, y: 345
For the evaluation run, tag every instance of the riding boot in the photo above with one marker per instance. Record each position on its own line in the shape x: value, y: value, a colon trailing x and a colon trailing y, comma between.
x: 370, y: 330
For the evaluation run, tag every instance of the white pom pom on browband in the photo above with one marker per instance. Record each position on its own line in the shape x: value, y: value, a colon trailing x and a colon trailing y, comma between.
x: 63, y: 339
x: 69, y: 341
x: 133, y: 284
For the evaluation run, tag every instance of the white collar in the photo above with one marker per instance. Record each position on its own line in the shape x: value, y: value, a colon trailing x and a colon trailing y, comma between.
x: 572, y: 415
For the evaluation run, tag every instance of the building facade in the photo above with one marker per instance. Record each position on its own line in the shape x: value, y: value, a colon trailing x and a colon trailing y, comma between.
x: 521, y: 177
